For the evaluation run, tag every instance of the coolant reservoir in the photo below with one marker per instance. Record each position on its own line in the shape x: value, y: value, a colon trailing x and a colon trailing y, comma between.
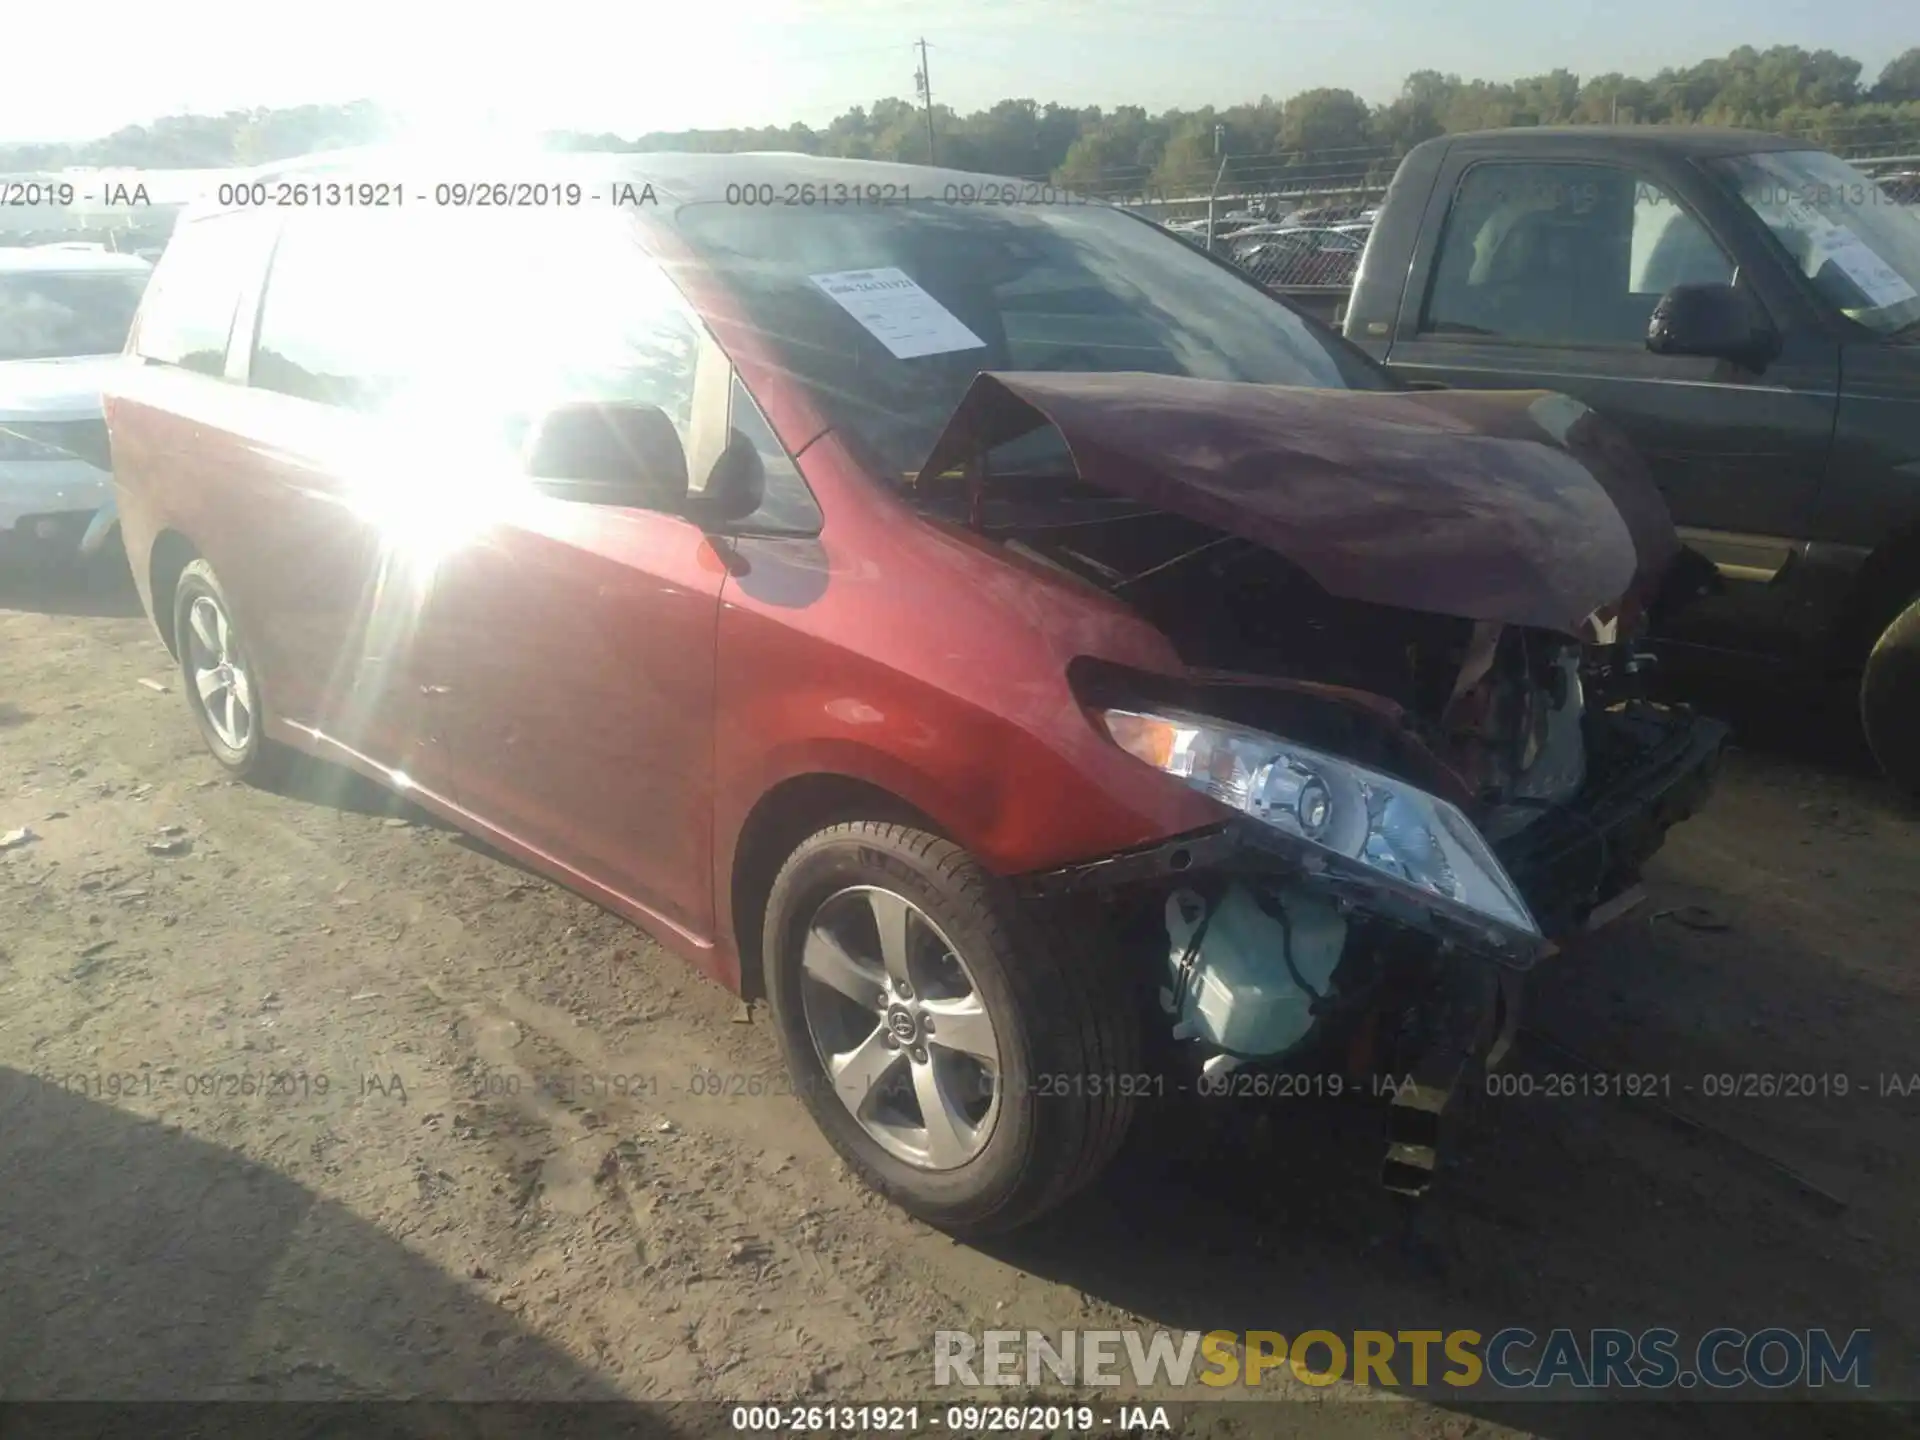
x: 1241, y: 997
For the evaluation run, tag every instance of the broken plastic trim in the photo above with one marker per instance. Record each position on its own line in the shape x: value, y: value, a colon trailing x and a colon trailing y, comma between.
x: 1250, y: 847
x: 1454, y: 1027
x: 1565, y: 859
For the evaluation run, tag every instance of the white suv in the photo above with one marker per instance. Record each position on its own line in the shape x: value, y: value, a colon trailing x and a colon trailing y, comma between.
x: 64, y: 315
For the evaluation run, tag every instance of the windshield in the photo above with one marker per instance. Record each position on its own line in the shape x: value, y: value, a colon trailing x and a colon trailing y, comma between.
x: 1860, y: 248
x: 886, y: 313
x: 54, y: 314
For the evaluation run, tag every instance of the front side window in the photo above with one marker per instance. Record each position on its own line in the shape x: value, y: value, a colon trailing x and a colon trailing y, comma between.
x: 886, y: 313
x: 57, y: 314
x: 1564, y: 254
x: 1670, y: 247
x: 1845, y: 233
x: 190, y: 304
x: 487, y: 319
x: 787, y: 504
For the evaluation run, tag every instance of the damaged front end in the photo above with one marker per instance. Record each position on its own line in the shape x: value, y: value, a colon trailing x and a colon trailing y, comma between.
x: 1410, y: 678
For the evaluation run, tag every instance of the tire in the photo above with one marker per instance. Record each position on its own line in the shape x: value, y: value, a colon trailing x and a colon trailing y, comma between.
x: 1061, y: 1024
x: 255, y: 759
x: 1890, y: 699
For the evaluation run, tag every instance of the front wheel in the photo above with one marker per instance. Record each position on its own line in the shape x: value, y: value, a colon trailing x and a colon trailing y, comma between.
x: 1890, y: 699
x: 971, y: 1069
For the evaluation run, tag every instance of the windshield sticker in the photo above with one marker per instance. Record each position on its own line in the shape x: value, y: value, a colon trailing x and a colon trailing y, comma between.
x: 1878, y: 281
x: 1832, y: 243
x: 898, y: 313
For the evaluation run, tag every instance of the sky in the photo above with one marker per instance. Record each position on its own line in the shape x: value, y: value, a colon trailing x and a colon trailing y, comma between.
x: 632, y: 66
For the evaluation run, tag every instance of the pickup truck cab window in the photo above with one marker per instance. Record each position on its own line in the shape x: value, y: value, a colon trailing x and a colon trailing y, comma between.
x: 1788, y: 461
x: 1572, y: 254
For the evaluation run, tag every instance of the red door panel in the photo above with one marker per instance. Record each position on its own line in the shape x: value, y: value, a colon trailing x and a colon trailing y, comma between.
x: 578, y: 642
x: 336, y: 586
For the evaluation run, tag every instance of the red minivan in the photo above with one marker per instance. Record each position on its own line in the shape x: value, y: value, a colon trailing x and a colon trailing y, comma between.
x: 1046, y: 669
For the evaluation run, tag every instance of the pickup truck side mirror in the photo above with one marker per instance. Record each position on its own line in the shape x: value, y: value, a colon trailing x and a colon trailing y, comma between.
x: 609, y: 455
x: 1719, y: 322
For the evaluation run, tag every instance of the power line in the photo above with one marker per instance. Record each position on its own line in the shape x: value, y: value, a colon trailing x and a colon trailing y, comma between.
x: 892, y: 49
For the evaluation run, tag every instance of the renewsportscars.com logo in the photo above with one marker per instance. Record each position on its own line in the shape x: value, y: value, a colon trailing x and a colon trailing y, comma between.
x: 1725, y: 1359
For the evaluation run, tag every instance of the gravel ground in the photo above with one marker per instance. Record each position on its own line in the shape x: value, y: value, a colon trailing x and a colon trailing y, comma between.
x: 329, y: 1102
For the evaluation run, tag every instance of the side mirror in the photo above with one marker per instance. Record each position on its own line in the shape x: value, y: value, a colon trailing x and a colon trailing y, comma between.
x: 735, y: 488
x: 1719, y: 322
x: 609, y: 455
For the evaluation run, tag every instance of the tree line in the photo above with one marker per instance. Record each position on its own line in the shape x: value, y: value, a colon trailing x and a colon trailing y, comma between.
x: 1329, y: 133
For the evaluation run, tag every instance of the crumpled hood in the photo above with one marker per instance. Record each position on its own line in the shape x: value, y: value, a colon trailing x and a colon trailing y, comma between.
x: 1522, y: 507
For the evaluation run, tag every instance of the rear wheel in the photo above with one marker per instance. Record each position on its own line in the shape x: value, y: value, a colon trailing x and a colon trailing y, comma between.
x: 221, y: 684
x: 1890, y: 699
x: 969, y: 1068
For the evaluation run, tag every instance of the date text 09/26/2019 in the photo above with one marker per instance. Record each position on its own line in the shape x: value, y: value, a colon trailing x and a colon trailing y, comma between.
x: 467, y: 194
x: 960, y: 1419
x: 282, y: 1086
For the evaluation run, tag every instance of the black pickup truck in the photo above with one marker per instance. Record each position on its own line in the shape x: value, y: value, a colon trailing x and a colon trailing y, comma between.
x: 1747, y: 308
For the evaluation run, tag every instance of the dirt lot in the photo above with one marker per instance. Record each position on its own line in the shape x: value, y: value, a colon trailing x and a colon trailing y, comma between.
x: 334, y: 1104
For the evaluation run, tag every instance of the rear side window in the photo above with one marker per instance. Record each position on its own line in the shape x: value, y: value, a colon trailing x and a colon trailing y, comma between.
x: 341, y: 303
x: 190, y: 304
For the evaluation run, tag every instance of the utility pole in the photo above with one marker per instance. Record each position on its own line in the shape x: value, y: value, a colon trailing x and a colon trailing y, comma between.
x: 1213, y: 195
x: 923, y: 87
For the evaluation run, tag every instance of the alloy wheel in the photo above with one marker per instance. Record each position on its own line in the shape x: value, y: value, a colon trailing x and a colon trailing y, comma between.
x: 222, y: 688
x: 900, y: 1027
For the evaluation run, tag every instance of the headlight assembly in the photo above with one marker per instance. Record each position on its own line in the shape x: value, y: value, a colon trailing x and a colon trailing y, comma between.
x: 1387, y: 825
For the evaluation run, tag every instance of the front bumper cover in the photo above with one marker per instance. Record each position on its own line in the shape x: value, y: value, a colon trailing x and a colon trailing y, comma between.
x: 1567, y: 863
x: 1650, y: 768
x: 69, y: 498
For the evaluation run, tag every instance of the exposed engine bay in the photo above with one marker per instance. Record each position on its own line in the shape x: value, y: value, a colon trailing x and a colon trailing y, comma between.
x: 1256, y: 968
x: 1502, y: 707
x: 1260, y: 971
x: 1429, y: 723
